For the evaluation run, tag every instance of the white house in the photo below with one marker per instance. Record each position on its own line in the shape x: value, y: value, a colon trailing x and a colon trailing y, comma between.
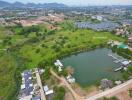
x: 47, y: 91
x: 59, y: 65
x: 70, y: 79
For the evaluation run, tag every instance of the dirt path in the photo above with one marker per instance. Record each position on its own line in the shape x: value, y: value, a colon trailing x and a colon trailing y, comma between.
x: 108, y: 93
x: 65, y: 83
x: 40, y: 85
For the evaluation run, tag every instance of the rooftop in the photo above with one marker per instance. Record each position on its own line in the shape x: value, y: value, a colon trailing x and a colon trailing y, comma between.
x: 27, y: 86
x: 98, y: 26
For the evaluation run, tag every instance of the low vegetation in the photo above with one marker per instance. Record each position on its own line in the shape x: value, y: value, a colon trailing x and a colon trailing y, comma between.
x: 59, y: 93
x: 29, y: 47
x: 130, y: 92
x: 127, y: 74
x: 112, y: 98
x: 49, y: 47
x: 126, y: 53
x: 7, y: 72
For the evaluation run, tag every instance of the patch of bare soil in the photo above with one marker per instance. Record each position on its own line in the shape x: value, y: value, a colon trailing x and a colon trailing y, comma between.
x: 124, y: 95
x: 85, y: 91
x: 68, y: 96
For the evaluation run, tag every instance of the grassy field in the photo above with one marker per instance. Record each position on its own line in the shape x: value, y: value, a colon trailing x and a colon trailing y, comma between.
x: 43, y: 46
x: 7, y: 71
x: 63, y: 42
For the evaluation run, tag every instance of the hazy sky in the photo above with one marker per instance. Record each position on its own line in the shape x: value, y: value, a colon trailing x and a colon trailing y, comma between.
x: 80, y: 2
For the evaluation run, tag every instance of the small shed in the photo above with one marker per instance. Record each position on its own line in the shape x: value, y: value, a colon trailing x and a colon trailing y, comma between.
x: 23, y: 86
x: 46, y: 88
x: 125, y: 63
x: 49, y: 92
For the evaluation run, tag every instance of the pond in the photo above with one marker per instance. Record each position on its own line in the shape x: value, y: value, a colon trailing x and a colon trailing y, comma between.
x: 90, y: 67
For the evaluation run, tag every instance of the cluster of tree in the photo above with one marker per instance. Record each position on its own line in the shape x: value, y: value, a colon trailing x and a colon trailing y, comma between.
x: 7, y: 41
x: 51, y: 32
x: 56, y: 47
x: 44, y: 46
x: 59, y: 93
x: 127, y: 74
x: 64, y: 73
x: 19, y: 29
x: 126, y: 53
x: 28, y: 30
x: 46, y: 74
x: 59, y: 44
x: 33, y: 40
x: 20, y: 63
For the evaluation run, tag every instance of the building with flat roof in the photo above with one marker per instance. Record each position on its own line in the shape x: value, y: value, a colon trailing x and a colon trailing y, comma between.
x: 109, y: 26
x: 27, y: 85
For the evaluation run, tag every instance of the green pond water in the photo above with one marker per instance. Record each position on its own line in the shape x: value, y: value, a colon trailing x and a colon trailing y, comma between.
x: 90, y: 67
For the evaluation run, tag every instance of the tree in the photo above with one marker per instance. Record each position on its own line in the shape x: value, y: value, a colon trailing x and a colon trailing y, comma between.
x: 44, y: 46
x: 125, y: 76
x: 38, y: 50
x: 64, y: 72
x: 47, y: 73
x: 59, y: 93
x: 7, y: 40
x: 130, y: 69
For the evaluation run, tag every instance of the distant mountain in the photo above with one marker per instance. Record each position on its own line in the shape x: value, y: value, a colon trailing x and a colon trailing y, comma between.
x: 4, y: 4
x: 17, y: 4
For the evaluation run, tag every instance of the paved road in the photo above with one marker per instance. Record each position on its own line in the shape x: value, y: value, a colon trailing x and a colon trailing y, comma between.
x: 112, y: 91
x: 40, y: 85
x: 65, y: 83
